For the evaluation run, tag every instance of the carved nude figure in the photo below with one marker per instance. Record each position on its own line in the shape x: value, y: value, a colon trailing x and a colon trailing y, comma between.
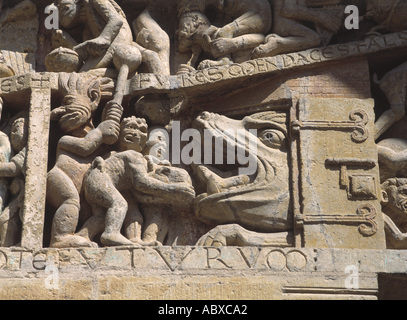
x: 5, y: 153
x: 107, y: 38
x: 241, y: 17
x: 11, y: 216
x: 75, y: 153
x: 290, y: 35
x: 154, y: 43
x: 250, y: 21
x: 127, y: 170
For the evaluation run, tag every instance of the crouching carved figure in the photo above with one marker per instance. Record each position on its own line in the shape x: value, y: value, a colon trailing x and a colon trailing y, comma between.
x: 252, y: 209
x: 128, y: 170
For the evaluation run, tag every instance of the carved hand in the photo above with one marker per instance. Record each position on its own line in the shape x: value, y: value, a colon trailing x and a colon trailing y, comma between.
x: 222, y: 47
x: 110, y: 131
x: 182, y: 194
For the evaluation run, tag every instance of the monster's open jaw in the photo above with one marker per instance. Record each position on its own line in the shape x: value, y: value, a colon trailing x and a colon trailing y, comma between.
x: 216, y: 184
x: 220, y: 178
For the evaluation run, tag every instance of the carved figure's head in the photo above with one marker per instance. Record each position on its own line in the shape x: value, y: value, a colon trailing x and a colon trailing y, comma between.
x: 262, y: 139
x: 19, y: 134
x: 189, y: 25
x: 69, y: 12
x: 81, y: 97
x: 394, y: 194
x: 133, y: 134
x: 158, y: 144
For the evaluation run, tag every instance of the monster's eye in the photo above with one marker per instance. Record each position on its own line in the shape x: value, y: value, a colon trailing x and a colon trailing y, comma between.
x: 272, y: 138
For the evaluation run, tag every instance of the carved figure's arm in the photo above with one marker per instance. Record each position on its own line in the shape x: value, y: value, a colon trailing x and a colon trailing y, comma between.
x: 145, y: 183
x: 107, y: 132
x: 15, y: 167
x: 113, y: 20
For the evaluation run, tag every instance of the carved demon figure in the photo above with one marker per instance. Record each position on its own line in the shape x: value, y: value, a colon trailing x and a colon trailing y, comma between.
x: 394, y: 202
x: 75, y: 152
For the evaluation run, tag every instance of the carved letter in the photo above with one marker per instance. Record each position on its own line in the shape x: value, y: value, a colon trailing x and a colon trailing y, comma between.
x: 352, y: 21
x: 52, y: 21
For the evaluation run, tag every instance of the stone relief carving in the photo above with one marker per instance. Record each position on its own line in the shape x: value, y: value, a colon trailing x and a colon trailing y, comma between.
x: 75, y: 153
x: 392, y: 154
x: 107, y: 42
x: 116, y: 74
x: 250, y: 21
x: 20, y: 20
x: 266, y: 191
x: 12, y: 173
x: 289, y: 35
x: 129, y: 170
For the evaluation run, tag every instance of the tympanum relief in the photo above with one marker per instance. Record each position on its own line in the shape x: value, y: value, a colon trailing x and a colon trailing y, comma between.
x: 205, y: 122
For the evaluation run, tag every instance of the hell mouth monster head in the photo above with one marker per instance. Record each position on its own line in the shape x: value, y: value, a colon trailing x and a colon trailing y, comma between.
x: 261, y: 201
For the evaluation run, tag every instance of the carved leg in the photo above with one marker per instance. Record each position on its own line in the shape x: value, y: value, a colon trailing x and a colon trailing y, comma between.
x: 290, y: 36
x: 126, y: 59
x: 392, y: 154
x: 62, y: 194
x: 152, y: 37
x: 134, y: 221
x: 10, y: 220
x: 156, y: 225
x: 101, y: 193
x: 10, y: 226
x: 115, y: 216
x: 94, y: 225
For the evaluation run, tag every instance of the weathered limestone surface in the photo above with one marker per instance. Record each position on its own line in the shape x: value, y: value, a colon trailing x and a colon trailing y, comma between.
x: 166, y: 273
x: 202, y: 150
